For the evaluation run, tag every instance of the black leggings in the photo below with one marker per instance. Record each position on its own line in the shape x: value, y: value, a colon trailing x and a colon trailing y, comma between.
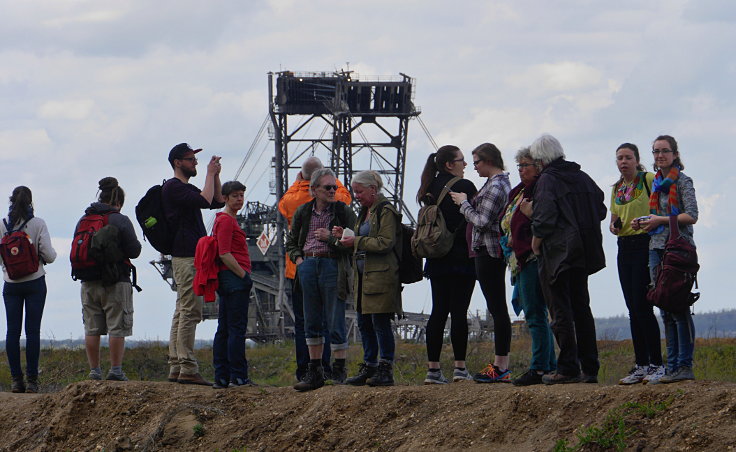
x: 491, y: 273
x: 450, y: 295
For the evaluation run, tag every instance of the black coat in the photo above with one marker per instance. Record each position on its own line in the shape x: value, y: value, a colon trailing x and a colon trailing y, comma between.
x: 568, y: 210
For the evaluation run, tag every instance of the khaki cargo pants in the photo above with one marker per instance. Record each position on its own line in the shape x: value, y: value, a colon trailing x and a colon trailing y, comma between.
x: 187, y: 315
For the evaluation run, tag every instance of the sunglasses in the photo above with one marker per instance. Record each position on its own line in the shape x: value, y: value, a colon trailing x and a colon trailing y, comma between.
x: 330, y: 187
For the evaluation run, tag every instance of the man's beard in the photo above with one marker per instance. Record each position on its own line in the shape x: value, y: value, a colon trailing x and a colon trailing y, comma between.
x: 189, y: 172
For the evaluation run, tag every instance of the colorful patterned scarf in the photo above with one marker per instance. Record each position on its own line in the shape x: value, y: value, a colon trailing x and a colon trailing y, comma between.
x: 626, y: 193
x: 665, y: 185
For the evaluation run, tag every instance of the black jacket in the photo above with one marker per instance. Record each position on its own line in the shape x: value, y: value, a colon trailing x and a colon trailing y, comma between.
x: 568, y: 210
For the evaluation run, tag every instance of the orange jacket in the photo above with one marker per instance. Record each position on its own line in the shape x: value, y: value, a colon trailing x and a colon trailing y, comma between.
x: 294, y: 197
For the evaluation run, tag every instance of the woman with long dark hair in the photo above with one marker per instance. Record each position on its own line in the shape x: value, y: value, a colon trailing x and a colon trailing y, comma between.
x: 27, y: 292
x: 673, y: 193
x: 630, y: 200
x: 451, y: 277
x: 483, y: 212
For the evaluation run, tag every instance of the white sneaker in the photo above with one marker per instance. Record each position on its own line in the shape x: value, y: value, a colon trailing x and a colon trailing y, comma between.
x: 461, y: 375
x: 636, y: 375
x: 654, y: 373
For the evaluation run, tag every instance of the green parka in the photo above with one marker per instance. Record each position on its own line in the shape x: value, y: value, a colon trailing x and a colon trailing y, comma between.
x: 343, y: 216
x: 381, y: 287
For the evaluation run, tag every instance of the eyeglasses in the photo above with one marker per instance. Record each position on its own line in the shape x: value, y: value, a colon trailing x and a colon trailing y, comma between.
x: 191, y: 159
x: 477, y: 162
x: 521, y: 166
x: 661, y: 151
x: 458, y: 160
x: 330, y: 187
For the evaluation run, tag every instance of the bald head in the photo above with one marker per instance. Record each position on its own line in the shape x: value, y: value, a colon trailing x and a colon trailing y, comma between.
x: 309, y: 166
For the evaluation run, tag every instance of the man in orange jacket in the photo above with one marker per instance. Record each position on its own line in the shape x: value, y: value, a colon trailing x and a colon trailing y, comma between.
x: 294, y: 197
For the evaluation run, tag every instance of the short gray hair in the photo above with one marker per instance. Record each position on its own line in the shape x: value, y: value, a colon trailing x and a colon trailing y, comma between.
x: 310, y: 165
x: 317, y: 175
x: 546, y: 149
x: 369, y: 178
x: 524, y: 153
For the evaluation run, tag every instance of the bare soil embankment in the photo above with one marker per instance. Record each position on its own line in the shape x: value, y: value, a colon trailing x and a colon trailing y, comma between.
x: 151, y: 416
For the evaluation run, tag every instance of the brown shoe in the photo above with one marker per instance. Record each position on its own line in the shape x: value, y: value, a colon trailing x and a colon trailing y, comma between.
x: 173, y: 377
x: 193, y: 379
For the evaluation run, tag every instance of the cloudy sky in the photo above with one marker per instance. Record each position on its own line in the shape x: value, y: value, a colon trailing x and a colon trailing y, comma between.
x: 98, y: 88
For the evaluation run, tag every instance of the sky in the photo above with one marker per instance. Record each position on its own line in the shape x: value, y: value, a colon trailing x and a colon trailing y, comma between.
x: 99, y: 88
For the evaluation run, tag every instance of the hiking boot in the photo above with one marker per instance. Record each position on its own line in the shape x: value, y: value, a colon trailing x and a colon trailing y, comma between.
x: 116, y: 376
x: 193, y: 379
x: 557, y: 378
x: 461, y: 375
x: 681, y: 374
x: 435, y: 377
x: 235, y: 382
x: 32, y: 386
x: 220, y: 383
x: 95, y: 374
x: 18, y: 385
x: 384, y: 375
x: 492, y: 374
x: 654, y: 373
x: 339, y: 373
x: 364, y: 373
x: 530, y: 377
x: 173, y: 377
x: 636, y: 375
x: 313, y: 379
x: 585, y: 378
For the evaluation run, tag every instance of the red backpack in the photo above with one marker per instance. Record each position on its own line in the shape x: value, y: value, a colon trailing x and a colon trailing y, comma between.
x: 18, y: 252
x: 676, y: 274
x: 80, y: 256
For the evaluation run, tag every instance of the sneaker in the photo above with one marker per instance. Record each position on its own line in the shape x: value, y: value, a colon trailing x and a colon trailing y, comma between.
x: 116, y: 377
x: 95, y: 374
x: 220, y: 384
x: 435, y: 377
x: 314, y: 379
x: 364, y: 373
x: 492, y: 374
x: 585, y: 378
x: 557, y: 378
x: 235, y: 382
x: 681, y: 374
x: 530, y: 377
x: 654, y: 373
x: 636, y: 375
x: 461, y: 375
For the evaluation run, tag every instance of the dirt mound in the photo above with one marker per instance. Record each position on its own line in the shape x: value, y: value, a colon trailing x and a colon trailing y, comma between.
x: 142, y: 416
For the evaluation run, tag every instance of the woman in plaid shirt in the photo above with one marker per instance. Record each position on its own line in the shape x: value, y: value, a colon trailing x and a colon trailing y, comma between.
x: 483, y: 212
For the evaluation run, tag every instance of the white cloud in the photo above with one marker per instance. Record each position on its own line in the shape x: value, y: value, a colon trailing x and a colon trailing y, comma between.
x: 71, y: 109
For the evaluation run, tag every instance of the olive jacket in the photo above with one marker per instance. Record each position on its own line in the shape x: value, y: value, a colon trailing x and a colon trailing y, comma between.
x: 381, y: 289
x: 343, y: 216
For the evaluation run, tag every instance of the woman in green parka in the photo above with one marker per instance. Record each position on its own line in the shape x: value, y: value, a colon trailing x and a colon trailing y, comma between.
x: 376, y: 278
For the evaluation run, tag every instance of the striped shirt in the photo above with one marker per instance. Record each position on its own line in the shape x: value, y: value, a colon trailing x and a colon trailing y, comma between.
x: 319, y: 220
x: 484, y: 213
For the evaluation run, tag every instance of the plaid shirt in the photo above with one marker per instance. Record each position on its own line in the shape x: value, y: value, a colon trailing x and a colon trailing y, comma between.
x: 319, y: 220
x: 485, y: 214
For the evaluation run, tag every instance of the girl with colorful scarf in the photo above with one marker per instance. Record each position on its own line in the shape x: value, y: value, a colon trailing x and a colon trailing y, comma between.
x: 630, y: 200
x: 672, y: 194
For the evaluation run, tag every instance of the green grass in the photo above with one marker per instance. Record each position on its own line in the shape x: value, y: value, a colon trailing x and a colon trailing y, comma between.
x: 274, y: 364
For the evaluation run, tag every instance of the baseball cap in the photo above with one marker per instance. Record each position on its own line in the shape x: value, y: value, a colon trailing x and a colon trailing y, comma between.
x: 179, y: 151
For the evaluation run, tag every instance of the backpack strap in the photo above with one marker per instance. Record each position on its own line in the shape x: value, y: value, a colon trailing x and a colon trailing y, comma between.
x: 379, y: 211
x: 646, y: 185
x: 446, y: 189
x: 10, y: 230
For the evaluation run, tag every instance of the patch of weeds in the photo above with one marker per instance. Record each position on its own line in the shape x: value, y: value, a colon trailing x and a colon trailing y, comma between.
x: 199, y: 430
x: 614, y: 432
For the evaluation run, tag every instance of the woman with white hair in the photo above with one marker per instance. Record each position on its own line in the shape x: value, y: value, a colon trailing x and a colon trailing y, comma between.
x: 375, y: 278
x: 568, y: 209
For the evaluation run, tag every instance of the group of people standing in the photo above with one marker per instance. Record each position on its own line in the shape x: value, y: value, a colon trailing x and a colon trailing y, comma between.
x: 545, y: 230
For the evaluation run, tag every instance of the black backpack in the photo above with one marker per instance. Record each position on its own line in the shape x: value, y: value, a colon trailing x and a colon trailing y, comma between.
x: 150, y: 216
x: 410, y: 267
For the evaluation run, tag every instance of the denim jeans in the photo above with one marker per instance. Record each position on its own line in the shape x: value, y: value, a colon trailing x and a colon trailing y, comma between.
x: 633, y: 274
x: 318, y: 280
x: 376, y: 334
x: 32, y: 294
x: 294, y: 295
x: 679, y: 330
x: 228, y: 348
x: 535, y: 312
